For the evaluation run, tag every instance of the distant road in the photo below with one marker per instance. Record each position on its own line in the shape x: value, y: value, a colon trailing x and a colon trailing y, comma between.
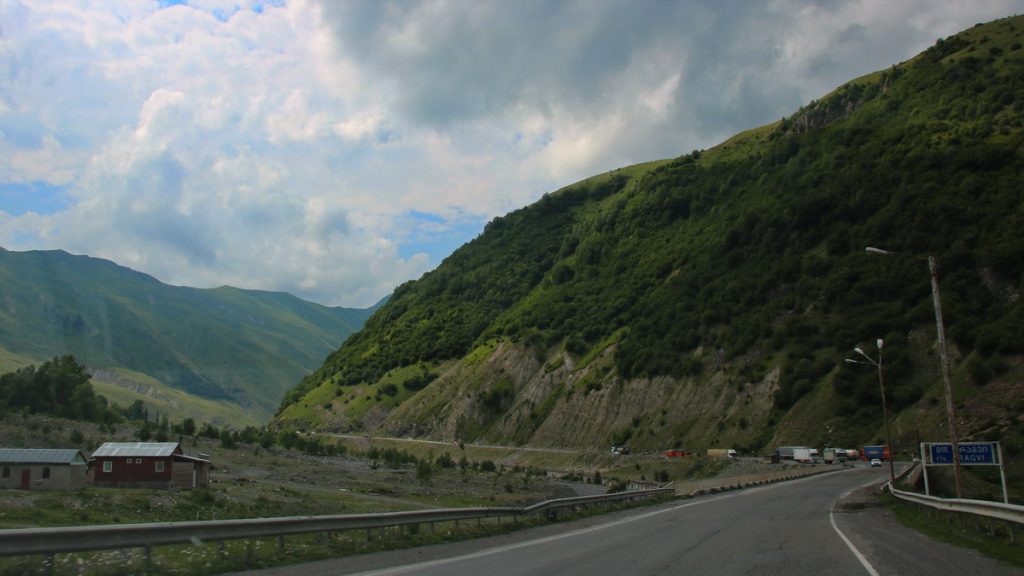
x: 799, y: 527
x: 455, y: 444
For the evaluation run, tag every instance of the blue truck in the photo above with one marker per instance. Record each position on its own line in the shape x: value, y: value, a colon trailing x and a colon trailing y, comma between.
x: 869, y: 453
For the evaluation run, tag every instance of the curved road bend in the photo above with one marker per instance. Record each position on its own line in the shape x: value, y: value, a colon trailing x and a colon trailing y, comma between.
x: 798, y: 527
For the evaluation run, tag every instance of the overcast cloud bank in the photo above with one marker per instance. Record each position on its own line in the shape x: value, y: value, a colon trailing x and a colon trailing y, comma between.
x: 334, y: 150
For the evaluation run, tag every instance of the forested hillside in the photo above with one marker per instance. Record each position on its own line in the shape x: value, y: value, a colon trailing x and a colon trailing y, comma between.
x: 240, y: 348
x: 713, y: 297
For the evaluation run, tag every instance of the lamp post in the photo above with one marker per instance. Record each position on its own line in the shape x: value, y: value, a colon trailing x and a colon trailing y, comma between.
x: 885, y: 411
x: 933, y: 270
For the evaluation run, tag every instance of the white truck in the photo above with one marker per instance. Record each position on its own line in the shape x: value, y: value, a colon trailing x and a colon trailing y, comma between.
x: 803, y: 455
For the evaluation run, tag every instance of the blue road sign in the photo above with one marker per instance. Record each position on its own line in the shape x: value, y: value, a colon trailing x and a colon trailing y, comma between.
x: 970, y: 453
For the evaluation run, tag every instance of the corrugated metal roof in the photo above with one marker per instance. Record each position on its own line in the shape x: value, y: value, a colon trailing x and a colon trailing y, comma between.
x: 157, y: 449
x: 41, y: 456
x: 190, y: 458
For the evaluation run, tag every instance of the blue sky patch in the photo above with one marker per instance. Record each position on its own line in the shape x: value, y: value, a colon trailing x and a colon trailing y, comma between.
x: 38, y: 197
x: 438, y: 237
x: 225, y: 14
x: 259, y: 7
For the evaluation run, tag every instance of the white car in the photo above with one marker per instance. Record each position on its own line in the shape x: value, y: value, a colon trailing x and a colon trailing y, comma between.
x: 876, y: 463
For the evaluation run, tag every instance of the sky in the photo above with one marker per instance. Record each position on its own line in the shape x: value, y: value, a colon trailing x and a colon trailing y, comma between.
x: 337, y: 149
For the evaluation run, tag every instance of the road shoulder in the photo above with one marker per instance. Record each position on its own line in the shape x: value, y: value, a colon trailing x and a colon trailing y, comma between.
x: 894, y: 549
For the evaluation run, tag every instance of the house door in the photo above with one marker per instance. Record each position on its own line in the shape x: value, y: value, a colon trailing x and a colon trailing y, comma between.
x: 26, y: 479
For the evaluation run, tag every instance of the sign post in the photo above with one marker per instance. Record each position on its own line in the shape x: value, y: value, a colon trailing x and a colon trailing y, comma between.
x: 924, y: 467
x: 970, y: 454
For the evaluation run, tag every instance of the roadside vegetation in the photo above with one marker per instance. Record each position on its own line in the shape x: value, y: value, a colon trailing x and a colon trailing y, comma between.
x: 991, y: 538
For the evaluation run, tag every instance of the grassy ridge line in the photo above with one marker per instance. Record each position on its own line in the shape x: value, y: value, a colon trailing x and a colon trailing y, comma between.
x: 245, y: 347
x: 117, y: 385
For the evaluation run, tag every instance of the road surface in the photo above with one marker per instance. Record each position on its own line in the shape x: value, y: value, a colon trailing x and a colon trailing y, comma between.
x: 827, y: 524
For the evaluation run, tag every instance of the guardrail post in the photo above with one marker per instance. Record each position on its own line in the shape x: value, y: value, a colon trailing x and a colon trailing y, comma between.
x: 280, y: 542
x: 49, y: 563
x: 149, y: 558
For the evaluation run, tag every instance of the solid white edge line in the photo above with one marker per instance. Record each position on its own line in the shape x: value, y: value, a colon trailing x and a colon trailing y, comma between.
x: 860, y: 557
x: 406, y: 568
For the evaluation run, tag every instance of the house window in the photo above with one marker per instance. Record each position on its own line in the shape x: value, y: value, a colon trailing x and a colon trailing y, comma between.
x: 129, y: 461
x: 46, y: 473
x: 159, y: 465
x: 7, y: 472
x: 138, y: 460
x: 108, y: 466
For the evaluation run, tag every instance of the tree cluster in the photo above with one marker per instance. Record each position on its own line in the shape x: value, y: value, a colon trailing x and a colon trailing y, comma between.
x: 59, y: 387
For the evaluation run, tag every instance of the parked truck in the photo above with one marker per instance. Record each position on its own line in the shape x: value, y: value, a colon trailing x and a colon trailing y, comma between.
x: 829, y: 455
x: 722, y: 453
x: 803, y: 455
x: 869, y: 453
x: 790, y: 453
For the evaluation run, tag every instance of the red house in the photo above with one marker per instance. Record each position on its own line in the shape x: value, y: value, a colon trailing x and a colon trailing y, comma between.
x: 147, y: 465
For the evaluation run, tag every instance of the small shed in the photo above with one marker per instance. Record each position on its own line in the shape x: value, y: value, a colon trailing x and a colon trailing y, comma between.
x: 43, y: 468
x: 148, y: 465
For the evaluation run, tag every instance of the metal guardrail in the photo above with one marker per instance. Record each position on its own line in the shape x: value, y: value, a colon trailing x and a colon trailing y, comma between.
x: 16, y: 542
x: 997, y: 510
x: 550, y: 505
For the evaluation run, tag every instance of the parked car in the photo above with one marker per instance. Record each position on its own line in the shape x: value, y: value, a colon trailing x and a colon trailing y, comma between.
x: 876, y: 463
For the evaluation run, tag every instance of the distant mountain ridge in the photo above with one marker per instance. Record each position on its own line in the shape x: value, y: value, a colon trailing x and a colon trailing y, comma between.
x: 710, y: 300
x: 241, y: 347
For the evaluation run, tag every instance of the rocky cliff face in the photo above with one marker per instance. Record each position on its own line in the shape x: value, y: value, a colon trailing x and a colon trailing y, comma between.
x: 509, y: 396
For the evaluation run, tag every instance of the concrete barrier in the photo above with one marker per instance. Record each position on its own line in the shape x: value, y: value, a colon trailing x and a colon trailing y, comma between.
x: 717, y: 484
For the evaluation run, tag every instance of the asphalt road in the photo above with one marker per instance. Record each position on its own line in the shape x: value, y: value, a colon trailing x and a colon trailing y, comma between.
x: 828, y: 524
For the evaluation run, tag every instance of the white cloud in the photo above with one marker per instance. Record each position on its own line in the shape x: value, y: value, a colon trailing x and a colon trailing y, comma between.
x: 296, y: 146
x: 49, y: 162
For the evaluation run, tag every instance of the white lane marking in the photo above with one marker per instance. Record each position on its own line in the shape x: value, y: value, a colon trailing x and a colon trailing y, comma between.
x: 408, y: 568
x: 497, y: 550
x: 860, y: 557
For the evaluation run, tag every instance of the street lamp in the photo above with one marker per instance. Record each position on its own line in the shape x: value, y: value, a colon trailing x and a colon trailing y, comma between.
x: 885, y: 411
x: 933, y: 269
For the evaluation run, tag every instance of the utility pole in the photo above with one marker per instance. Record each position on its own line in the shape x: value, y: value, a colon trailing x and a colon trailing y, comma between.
x: 944, y: 358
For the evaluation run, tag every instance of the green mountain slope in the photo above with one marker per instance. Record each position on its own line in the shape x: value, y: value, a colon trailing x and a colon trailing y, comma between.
x: 712, y: 298
x: 236, y: 347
